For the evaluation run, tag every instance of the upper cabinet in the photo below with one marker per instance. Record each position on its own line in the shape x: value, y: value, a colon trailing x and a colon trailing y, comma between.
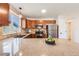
x: 32, y: 23
x: 29, y: 24
x: 4, y: 14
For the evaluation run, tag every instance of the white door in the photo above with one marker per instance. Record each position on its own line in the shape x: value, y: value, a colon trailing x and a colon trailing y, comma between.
x: 62, y: 27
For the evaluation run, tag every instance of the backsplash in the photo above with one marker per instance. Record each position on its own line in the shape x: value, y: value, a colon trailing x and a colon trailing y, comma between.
x: 9, y: 29
x: 13, y: 26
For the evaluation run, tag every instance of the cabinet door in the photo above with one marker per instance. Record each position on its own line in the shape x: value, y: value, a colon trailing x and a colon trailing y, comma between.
x: 33, y: 23
x: 4, y: 14
x: 29, y: 23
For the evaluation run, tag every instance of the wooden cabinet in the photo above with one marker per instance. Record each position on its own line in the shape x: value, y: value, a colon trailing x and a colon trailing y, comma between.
x: 46, y: 22
x: 32, y: 23
x: 29, y: 24
x: 4, y: 14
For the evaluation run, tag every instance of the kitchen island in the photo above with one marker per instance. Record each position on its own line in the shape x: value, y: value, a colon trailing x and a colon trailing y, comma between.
x: 35, y: 36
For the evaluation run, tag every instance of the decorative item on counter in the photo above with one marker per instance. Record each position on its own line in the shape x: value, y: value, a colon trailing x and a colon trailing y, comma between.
x: 50, y: 41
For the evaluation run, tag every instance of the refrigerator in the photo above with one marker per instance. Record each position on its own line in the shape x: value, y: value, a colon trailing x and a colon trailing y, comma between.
x: 52, y: 30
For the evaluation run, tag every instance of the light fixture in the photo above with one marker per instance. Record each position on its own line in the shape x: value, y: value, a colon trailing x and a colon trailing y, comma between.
x: 20, y: 15
x: 43, y: 11
x: 20, y: 8
x: 3, y: 11
x: 20, y: 54
x: 40, y: 20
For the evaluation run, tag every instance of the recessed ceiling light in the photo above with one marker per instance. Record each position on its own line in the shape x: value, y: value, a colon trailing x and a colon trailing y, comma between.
x: 43, y: 11
x: 20, y: 54
x: 20, y: 8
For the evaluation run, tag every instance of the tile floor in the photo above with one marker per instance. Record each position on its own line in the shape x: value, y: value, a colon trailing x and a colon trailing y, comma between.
x: 37, y: 47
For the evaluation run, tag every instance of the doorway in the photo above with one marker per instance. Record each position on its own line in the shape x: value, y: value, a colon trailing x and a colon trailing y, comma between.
x: 69, y: 31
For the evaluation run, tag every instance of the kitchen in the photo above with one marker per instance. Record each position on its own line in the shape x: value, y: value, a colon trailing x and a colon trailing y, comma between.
x: 27, y: 35
x: 30, y: 27
x: 40, y: 28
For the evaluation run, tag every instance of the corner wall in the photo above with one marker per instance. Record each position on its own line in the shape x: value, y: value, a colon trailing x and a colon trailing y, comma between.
x: 75, y: 29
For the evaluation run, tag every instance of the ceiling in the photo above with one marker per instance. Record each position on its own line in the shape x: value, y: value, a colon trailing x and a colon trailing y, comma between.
x: 53, y: 9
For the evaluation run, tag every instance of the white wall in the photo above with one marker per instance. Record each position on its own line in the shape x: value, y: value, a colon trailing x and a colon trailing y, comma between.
x: 75, y: 29
x: 63, y: 27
